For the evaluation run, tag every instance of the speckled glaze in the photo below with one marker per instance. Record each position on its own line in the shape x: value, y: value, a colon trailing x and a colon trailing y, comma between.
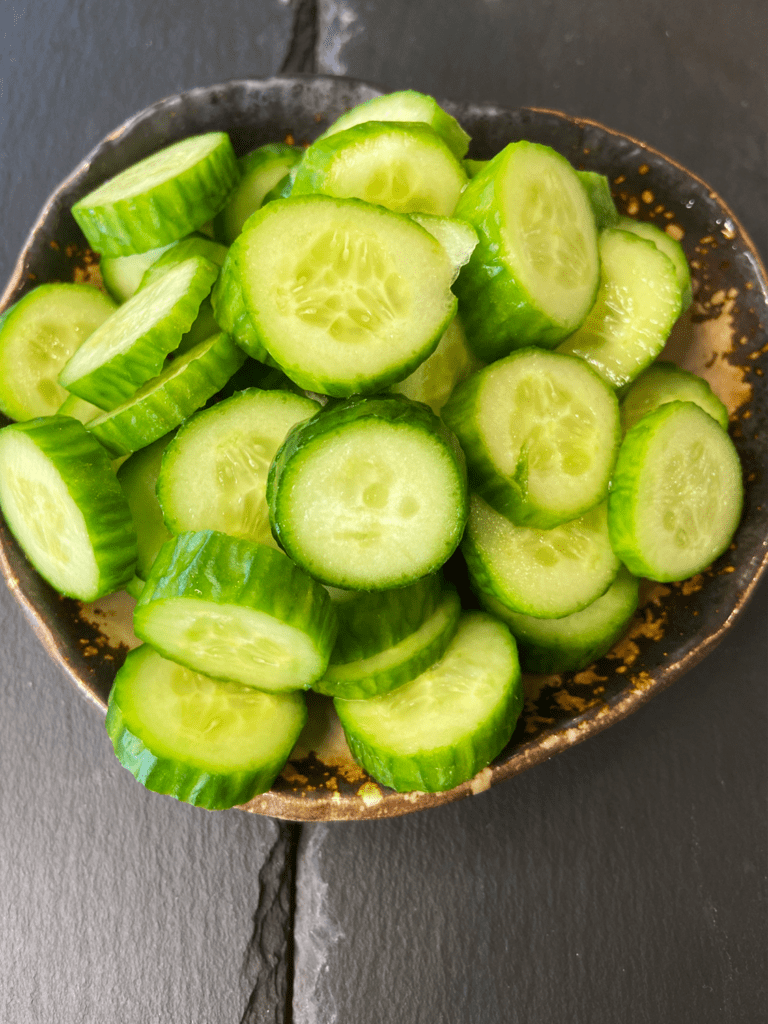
x: 723, y: 337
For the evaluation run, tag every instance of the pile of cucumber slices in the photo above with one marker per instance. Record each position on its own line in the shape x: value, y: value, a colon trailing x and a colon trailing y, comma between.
x: 317, y: 376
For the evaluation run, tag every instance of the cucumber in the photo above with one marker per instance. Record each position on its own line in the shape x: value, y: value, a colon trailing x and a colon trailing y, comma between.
x: 574, y: 641
x: 122, y: 275
x: 260, y: 171
x: 540, y: 432
x: 346, y: 297
x: 64, y: 506
x: 473, y: 167
x: 168, y: 399
x: 677, y: 493
x: 130, y: 347
x: 369, y: 493
x: 636, y: 308
x: 458, y: 238
x: 236, y: 610
x: 78, y: 408
x: 545, y: 573
x: 214, y: 473
x: 193, y: 245
x: 161, y: 198
x: 433, y: 380
x: 448, y: 723
x: 406, y: 105
x: 670, y: 247
x: 534, y: 274
x: 209, y: 743
x: 664, y: 382
x: 231, y: 313
x: 599, y: 193
x: 138, y: 478
x: 398, y: 664
x: 38, y: 334
x: 403, y: 167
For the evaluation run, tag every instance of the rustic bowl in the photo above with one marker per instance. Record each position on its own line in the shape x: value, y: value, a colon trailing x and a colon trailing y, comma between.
x: 723, y: 337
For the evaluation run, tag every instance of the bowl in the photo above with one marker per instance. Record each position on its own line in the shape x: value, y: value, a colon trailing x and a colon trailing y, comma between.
x: 723, y: 337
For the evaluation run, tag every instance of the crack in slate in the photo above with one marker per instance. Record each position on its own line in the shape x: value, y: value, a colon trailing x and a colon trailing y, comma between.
x: 268, y: 961
x: 301, y: 55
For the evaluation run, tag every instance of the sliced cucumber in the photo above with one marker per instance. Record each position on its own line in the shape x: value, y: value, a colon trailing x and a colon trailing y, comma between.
x: 231, y: 313
x: 161, y: 198
x: 545, y: 573
x: 433, y: 380
x: 534, y: 274
x: 670, y: 247
x: 403, y: 167
x: 369, y: 494
x: 236, y: 610
x: 37, y: 336
x: 574, y: 641
x: 664, y: 382
x: 122, y: 275
x: 447, y: 724
x: 540, y: 432
x: 473, y: 167
x: 138, y: 478
x: 398, y: 664
x: 347, y: 297
x: 260, y: 171
x: 167, y: 400
x: 78, y: 408
x: 64, y: 506
x: 458, y: 238
x: 193, y: 245
x: 636, y: 308
x: 130, y: 347
x: 406, y: 105
x: 677, y: 493
x: 599, y: 192
x: 206, y: 742
x: 214, y: 474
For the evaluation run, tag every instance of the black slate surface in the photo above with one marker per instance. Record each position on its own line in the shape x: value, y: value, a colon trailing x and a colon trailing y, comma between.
x: 625, y: 880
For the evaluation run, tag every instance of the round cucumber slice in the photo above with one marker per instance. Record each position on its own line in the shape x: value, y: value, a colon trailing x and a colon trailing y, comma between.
x: 161, y: 198
x: 214, y: 474
x: 534, y: 274
x: 664, y: 382
x: 398, y: 664
x: 574, y: 641
x: 260, y: 171
x: 540, y: 432
x: 38, y: 334
x: 448, y: 723
x: 236, y: 610
x: 670, y: 247
x: 368, y: 494
x: 347, y: 297
x: 209, y: 743
x: 122, y: 275
x: 130, y: 347
x: 138, y: 478
x: 64, y: 506
x: 546, y: 573
x: 677, y: 493
x: 433, y: 380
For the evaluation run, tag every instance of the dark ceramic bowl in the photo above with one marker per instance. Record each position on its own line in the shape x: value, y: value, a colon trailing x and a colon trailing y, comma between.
x: 723, y: 337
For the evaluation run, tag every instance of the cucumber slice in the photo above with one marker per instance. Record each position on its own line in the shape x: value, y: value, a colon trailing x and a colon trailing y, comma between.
x: 433, y: 380
x: 670, y: 247
x: 540, y: 432
x: 231, y: 313
x: 161, y: 198
x: 38, y: 334
x: 368, y: 494
x: 347, y: 297
x: 599, y: 192
x: 545, y: 573
x: 473, y: 167
x: 406, y: 105
x: 122, y: 275
x: 64, y: 506
x: 260, y: 171
x: 399, y: 664
x: 664, y: 382
x: 677, y: 493
x: 534, y: 274
x: 636, y: 308
x: 167, y: 400
x: 236, y: 610
x: 130, y: 347
x: 214, y: 474
x: 78, y: 408
x: 571, y: 643
x: 138, y: 478
x: 172, y: 255
x: 209, y: 743
x: 447, y: 724
x: 458, y: 238
x: 403, y: 167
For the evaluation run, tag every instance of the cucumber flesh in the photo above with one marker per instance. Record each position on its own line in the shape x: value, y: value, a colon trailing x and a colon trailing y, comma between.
x: 122, y: 275
x: 664, y: 382
x: 599, y: 192
x: 670, y: 247
x: 138, y: 478
x: 260, y: 171
x: 433, y: 381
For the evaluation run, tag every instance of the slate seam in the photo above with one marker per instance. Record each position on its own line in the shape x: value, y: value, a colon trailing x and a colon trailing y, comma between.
x: 301, y: 55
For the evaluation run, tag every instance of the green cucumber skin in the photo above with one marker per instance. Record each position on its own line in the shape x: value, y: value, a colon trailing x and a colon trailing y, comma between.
x: 212, y: 567
x: 137, y: 423
x: 184, y: 249
x: 232, y: 314
x: 599, y: 192
x: 87, y: 473
x: 139, y: 223
x: 396, y: 675
x: 495, y: 310
x: 664, y: 382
